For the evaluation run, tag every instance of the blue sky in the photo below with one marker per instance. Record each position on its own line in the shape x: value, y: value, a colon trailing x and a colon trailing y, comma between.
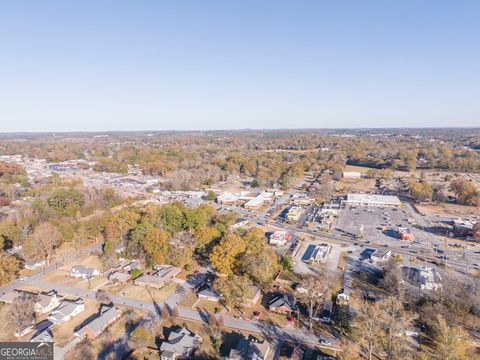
x: 157, y: 65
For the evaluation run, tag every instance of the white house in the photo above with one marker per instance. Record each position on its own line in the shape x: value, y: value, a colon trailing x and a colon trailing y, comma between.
x: 84, y: 272
x: 35, y: 264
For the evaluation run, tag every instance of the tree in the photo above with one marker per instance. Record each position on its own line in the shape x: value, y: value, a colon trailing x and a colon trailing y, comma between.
x: 156, y: 245
x: 465, y: 191
x: 450, y: 341
x: 140, y: 338
x: 170, y: 218
x: 476, y: 231
x: 368, y: 317
x: 224, y: 254
x: 65, y: 200
x: 21, y: 314
x: 42, y: 243
x: 205, y: 237
x: 394, y: 323
x: 9, y: 267
x: 317, y: 288
x: 211, y: 196
x: 231, y: 290
x: 286, y: 262
x: 421, y: 190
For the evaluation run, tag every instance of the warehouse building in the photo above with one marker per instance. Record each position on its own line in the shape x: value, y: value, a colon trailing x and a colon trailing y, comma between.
x: 372, y: 200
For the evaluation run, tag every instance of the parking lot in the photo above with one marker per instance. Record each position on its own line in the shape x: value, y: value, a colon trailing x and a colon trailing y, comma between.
x: 374, y: 219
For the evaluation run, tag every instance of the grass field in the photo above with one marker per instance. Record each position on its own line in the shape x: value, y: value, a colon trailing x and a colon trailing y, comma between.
x: 144, y: 294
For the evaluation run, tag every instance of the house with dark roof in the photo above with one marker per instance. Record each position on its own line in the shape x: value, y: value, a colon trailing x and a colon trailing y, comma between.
x: 106, y: 316
x: 43, y: 332
x: 180, y: 344
x: 250, y: 348
x: 282, y: 303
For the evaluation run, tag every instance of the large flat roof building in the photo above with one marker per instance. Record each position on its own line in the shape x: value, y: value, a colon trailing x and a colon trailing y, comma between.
x: 372, y: 200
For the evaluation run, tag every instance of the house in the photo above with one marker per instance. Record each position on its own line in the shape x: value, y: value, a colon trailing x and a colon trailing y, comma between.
x: 164, y: 274
x: 43, y: 332
x: 119, y: 278
x: 239, y: 223
x: 149, y: 280
x: 67, y: 310
x: 35, y: 264
x: 84, y: 272
x: 180, y: 344
x: 250, y: 348
x: 282, y: 303
x: 280, y: 237
x: 206, y: 292
x: 132, y: 265
x: 45, y: 335
x: 380, y: 256
x: 46, y: 301
x: 106, y: 316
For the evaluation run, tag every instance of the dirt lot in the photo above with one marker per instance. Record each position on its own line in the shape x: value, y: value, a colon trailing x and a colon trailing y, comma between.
x: 449, y: 210
x: 346, y: 186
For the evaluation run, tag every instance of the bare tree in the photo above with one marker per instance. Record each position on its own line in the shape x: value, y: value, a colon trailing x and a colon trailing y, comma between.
x: 317, y: 288
x: 369, y: 322
x: 21, y: 314
x: 43, y: 241
x: 395, y: 321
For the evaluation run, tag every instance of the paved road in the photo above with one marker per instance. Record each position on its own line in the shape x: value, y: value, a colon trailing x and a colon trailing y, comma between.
x: 284, y: 333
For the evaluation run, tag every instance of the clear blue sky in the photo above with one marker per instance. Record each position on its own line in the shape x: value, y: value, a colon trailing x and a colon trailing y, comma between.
x: 229, y: 64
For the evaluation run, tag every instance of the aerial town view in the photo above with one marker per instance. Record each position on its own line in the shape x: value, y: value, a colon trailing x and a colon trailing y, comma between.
x: 239, y: 180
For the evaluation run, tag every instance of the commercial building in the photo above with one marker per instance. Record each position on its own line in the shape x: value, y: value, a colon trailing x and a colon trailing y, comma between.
x: 294, y: 213
x: 381, y: 256
x: 430, y: 279
x: 320, y: 254
x: 352, y: 174
x: 259, y: 200
x: 405, y: 234
x: 280, y: 237
x: 462, y: 228
x: 372, y: 200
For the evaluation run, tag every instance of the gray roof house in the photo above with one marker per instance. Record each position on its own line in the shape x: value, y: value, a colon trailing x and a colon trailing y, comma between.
x: 80, y: 271
x: 206, y: 292
x: 47, y: 301
x: 107, y: 315
x: 250, y: 348
x: 67, y: 310
x: 180, y: 344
